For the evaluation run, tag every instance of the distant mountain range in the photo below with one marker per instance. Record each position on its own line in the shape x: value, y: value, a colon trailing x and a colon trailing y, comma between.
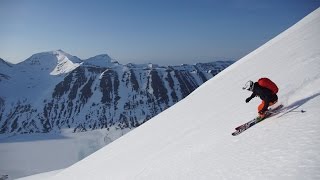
x: 52, y: 91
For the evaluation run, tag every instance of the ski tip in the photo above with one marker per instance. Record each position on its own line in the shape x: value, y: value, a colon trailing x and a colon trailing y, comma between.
x: 236, y: 133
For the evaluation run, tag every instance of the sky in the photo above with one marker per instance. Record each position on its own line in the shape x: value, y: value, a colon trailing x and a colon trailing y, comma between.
x: 165, y: 32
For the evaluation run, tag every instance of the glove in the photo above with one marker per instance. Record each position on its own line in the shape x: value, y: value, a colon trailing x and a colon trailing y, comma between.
x: 248, y: 99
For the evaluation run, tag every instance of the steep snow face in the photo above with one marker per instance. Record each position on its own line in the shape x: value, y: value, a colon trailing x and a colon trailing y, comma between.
x: 192, y: 140
x: 66, y: 63
x: 56, y: 62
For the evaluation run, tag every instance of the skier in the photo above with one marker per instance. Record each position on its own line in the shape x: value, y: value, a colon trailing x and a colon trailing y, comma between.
x: 266, y: 90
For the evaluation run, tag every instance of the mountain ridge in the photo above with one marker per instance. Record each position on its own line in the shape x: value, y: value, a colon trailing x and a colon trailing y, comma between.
x: 61, y: 91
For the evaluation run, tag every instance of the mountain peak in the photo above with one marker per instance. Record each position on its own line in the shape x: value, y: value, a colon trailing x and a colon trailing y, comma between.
x: 57, y: 62
x: 62, y: 54
x: 102, y: 60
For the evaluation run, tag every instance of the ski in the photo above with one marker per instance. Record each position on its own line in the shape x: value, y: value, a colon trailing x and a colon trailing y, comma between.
x: 246, y: 126
x: 256, y: 120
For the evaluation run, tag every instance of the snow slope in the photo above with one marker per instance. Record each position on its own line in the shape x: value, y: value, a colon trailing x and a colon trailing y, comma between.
x: 192, y: 140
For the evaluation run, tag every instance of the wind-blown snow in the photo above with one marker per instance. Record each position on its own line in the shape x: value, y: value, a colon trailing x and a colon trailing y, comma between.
x: 192, y: 140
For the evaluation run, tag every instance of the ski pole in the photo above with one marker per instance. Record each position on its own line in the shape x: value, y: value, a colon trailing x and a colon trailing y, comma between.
x: 301, y: 111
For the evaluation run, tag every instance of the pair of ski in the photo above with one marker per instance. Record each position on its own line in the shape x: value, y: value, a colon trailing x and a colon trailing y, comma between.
x: 256, y: 120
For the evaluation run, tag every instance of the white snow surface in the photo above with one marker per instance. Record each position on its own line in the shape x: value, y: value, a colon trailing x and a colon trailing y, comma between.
x: 102, y: 60
x: 192, y: 140
x: 56, y: 62
x: 44, y: 70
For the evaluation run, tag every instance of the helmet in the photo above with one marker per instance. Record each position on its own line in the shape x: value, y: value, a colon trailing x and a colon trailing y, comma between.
x: 248, y: 86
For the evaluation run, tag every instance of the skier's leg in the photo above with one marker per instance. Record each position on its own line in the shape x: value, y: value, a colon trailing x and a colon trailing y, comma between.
x: 274, y: 100
x: 260, y: 107
x: 272, y: 103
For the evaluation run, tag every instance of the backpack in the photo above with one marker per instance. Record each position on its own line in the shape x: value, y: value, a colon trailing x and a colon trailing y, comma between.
x: 267, y: 83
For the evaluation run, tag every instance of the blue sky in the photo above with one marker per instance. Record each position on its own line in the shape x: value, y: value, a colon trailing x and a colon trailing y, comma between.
x: 142, y: 31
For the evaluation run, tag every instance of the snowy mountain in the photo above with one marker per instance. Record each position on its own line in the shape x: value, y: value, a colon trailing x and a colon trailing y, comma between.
x: 192, y: 140
x: 53, y: 91
x: 55, y: 62
x: 102, y: 60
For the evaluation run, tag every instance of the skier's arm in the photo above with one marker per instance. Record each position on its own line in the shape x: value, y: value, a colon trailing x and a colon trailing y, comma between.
x: 252, y: 96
